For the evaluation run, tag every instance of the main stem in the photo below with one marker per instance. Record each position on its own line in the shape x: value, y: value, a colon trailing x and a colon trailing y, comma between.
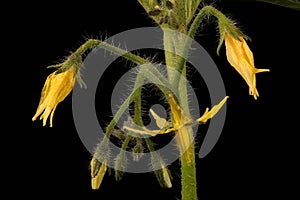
x: 188, y: 170
x: 173, y: 61
x: 188, y: 176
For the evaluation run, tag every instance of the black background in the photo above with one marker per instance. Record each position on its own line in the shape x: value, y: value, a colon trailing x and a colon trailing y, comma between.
x: 253, y: 157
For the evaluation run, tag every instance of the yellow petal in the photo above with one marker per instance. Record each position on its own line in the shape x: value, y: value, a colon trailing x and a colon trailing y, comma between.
x: 160, y: 122
x: 178, y: 115
x: 175, y: 111
x: 209, y: 114
x: 183, y: 137
x: 241, y: 58
x: 63, y: 84
x: 44, y: 93
x: 45, y: 115
x: 51, y: 116
x: 143, y: 131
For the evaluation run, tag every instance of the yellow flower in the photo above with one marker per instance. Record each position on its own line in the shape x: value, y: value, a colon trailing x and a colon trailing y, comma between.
x: 241, y: 58
x: 180, y: 125
x: 182, y: 122
x: 98, y: 171
x: 56, y: 89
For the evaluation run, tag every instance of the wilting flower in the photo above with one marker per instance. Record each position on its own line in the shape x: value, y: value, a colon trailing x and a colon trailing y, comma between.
x: 182, y: 122
x: 56, y: 89
x: 98, y: 171
x: 241, y: 58
x: 180, y: 125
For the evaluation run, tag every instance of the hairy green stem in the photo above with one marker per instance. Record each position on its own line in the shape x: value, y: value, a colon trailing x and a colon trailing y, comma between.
x: 190, y: 36
x: 91, y: 43
x: 121, y: 159
x: 147, y: 70
x: 179, y: 51
x: 188, y: 175
x: 188, y: 170
x: 178, y: 80
x: 155, y: 158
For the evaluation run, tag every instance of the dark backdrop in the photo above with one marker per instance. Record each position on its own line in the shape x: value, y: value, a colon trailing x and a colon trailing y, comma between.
x: 253, y: 157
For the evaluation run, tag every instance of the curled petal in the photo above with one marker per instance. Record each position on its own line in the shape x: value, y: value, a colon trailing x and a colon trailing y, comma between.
x: 208, y: 114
